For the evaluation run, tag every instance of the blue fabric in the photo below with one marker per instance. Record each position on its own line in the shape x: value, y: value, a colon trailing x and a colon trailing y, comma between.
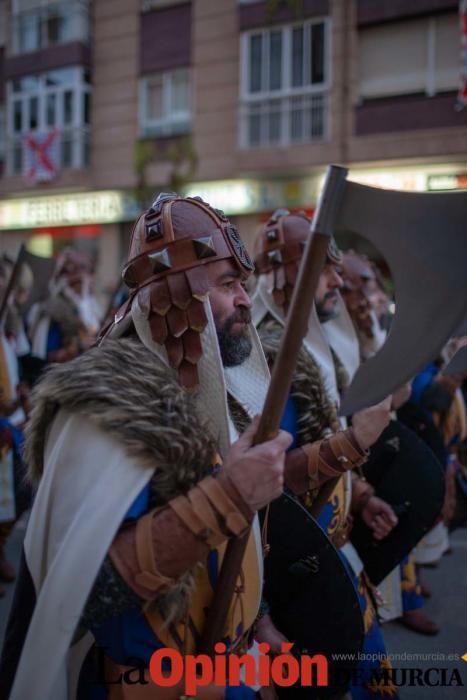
x: 140, y: 505
x: 412, y: 599
x: 422, y: 381
x: 17, y: 435
x: 289, y: 421
x: 129, y: 635
x: 240, y: 693
x: 54, y: 338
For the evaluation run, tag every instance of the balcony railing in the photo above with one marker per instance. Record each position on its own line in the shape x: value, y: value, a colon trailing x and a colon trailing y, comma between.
x: 68, y: 149
x: 284, y: 121
x: 48, y: 25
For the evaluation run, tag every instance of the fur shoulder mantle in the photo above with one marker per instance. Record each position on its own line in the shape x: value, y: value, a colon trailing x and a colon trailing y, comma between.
x: 123, y: 389
x: 317, y: 416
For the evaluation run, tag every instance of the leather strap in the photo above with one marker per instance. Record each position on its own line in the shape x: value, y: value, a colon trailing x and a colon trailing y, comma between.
x: 203, y: 510
x: 207, y: 511
x: 341, y: 446
x: 148, y: 576
x: 180, y: 255
x: 234, y: 521
x: 184, y: 509
x: 345, y: 450
x: 210, y: 513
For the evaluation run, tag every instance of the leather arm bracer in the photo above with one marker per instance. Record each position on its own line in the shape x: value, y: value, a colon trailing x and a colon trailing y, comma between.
x: 310, y: 466
x: 154, y: 552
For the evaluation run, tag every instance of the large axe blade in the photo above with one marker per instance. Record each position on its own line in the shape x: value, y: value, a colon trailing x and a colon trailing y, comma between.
x: 462, y: 330
x: 42, y: 270
x: 423, y: 237
x: 458, y: 363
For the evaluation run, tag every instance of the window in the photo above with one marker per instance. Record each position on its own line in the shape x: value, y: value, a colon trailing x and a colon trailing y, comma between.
x: 424, y: 57
x: 2, y: 131
x: 165, y: 103
x: 49, y: 24
x: 284, y: 85
x: 59, y: 99
x: 3, y: 23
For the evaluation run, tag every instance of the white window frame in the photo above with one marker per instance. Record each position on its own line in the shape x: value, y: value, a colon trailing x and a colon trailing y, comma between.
x: 287, y: 91
x: 77, y: 131
x: 78, y: 11
x: 172, y: 123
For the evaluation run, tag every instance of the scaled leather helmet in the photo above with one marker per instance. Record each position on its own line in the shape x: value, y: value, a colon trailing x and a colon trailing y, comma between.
x: 170, y: 246
x: 279, y: 249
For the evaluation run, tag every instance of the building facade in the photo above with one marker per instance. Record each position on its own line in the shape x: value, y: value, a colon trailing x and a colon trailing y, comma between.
x: 245, y: 102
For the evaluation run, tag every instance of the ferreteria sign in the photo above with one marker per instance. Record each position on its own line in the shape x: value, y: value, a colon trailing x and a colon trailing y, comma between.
x: 67, y: 210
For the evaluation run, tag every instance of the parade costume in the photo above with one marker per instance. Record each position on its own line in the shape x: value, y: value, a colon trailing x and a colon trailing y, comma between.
x: 14, y: 496
x: 60, y: 324
x: 395, y: 446
x: 312, y: 407
x: 146, y: 462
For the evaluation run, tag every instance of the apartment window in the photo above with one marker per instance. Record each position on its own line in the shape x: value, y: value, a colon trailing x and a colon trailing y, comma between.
x: 38, y: 104
x: 2, y: 131
x: 424, y: 57
x: 284, y: 85
x: 49, y: 24
x: 165, y: 103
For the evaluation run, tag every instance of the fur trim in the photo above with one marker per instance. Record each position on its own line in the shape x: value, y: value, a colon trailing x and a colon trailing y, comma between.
x: 238, y: 414
x: 317, y: 417
x: 342, y: 375
x: 121, y: 388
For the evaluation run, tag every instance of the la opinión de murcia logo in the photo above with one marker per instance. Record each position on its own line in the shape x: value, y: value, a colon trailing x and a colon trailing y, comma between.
x: 196, y: 671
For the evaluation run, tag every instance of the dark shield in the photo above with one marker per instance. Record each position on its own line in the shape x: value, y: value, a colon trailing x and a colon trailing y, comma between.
x: 406, y: 474
x: 311, y: 596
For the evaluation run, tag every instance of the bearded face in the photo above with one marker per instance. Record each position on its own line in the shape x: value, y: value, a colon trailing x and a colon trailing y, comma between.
x: 234, y: 339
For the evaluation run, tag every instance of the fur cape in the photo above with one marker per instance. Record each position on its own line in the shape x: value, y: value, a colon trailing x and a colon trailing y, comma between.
x: 122, y: 390
x: 317, y: 416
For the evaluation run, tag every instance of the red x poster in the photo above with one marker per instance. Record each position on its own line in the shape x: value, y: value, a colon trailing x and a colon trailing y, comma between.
x: 41, y: 152
x: 462, y: 97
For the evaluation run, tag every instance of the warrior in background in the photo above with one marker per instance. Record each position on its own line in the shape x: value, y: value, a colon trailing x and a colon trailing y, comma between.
x: 67, y: 322
x: 311, y: 415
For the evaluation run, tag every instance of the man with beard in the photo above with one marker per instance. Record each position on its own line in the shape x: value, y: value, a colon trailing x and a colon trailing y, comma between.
x: 142, y: 477
x: 311, y: 417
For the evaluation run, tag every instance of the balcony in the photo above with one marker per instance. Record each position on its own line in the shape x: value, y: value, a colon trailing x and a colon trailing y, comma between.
x: 283, y: 121
x: 36, y: 159
x: 46, y: 26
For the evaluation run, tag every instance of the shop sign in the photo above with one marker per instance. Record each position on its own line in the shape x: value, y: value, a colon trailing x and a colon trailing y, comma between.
x: 67, y: 210
x: 448, y: 182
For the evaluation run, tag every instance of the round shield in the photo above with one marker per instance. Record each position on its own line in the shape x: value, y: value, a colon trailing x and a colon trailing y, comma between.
x: 311, y: 596
x: 421, y: 423
x: 406, y: 474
